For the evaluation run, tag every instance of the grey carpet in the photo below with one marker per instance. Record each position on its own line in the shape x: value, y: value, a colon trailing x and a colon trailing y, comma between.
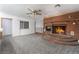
x: 34, y: 44
x: 6, y: 46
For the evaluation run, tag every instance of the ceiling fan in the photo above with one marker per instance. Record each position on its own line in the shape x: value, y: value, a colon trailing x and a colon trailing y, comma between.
x: 34, y: 12
x: 57, y: 5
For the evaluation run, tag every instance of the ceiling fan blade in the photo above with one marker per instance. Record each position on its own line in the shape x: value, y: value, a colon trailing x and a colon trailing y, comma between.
x: 30, y: 10
x: 38, y: 14
x: 39, y: 10
x: 57, y: 5
x: 28, y: 13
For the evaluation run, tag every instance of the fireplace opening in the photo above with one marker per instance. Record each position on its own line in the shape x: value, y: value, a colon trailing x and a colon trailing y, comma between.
x: 59, y: 29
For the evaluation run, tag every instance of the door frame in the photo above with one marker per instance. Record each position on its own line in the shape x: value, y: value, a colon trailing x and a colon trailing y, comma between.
x: 2, y: 24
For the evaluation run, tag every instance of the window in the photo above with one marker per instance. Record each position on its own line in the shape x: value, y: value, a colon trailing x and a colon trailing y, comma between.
x: 24, y: 24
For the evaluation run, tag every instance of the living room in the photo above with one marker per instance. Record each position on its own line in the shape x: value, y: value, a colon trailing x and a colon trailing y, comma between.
x: 39, y: 28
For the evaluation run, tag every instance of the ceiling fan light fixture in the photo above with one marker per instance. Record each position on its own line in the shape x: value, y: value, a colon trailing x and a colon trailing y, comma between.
x: 34, y: 12
x: 57, y: 5
x: 39, y: 10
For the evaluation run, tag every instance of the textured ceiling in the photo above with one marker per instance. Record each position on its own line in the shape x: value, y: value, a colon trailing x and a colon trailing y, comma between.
x: 47, y: 9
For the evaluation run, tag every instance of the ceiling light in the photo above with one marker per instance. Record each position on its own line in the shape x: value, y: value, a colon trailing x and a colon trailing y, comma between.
x: 57, y: 5
x: 69, y: 17
x: 73, y: 23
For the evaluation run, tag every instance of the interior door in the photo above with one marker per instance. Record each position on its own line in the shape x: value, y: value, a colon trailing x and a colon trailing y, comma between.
x: 7, y: 26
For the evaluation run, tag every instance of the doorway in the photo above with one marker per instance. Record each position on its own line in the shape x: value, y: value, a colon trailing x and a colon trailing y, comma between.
x: 7, y: 26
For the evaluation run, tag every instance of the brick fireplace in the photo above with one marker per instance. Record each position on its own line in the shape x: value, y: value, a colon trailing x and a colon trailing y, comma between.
x: 63, y: 29
x: 67, y: 24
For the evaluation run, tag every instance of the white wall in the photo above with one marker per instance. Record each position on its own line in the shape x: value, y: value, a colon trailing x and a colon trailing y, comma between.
x: 16, y: 25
